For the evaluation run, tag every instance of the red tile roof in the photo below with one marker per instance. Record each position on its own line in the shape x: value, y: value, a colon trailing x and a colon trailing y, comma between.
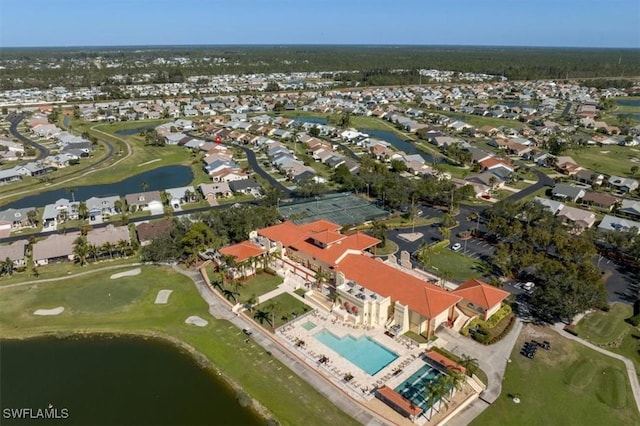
x: 443, y: 360
x: 492, y: 162
x: 299, y: 237
x: 399, y: 401
x: 481, y: 294
x: 421, y: 297
x: 242, y: 251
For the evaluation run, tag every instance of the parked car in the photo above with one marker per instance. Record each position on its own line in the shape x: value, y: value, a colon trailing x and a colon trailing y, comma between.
x: 528, y: 286
x: 456, y: 247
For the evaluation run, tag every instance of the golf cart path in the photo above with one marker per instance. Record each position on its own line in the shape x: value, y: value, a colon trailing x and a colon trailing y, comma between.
x: 631, y: 369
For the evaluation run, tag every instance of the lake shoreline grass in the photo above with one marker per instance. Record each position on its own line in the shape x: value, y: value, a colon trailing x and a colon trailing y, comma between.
x: 125, y: 306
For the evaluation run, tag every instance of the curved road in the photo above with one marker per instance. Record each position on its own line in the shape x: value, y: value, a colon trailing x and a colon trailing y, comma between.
x: 255, y: 166
x: 15, y: 119
x: 543, y: 180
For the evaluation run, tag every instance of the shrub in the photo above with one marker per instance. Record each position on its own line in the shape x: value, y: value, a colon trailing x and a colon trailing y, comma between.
x: 570, y: 330
x: 634, y: 320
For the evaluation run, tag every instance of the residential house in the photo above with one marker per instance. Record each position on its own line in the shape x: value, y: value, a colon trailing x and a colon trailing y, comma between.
x: 110, y: 234
x: 613, y: 223
x: 55, y: 248
x: 9, y: 175
x: 623, y: 184
x: 245, y: 186
x: 34, y: 169
x: 150, y: 201
x: 589, y: 177
x: 567, y: 165
x: 14, y: 252
x: 180, y: 195
x: 15, y: 219
x: 551, y: 205
x: 101, y: 208
x: 578, y: 218
x: 212, y: 191
x: 630, y: 207
x: 568, y: 192
x: 487, y: 179
x: 148, y: 231
x: 601, y: 199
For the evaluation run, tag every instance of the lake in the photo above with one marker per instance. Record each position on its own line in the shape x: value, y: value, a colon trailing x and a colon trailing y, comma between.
x: 315, y: 120
x: 134, y: 131
x: 629, y: 102
x: 397, y: 142
x: 109, y: 381
x: 157, y: 179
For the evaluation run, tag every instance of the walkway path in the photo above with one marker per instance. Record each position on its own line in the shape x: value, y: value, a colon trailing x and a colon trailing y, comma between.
x: 631, y: 369
x: 220, y: 310
x: 492, y: 360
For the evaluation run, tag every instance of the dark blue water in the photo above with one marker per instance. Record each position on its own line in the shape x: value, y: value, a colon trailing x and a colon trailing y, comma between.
x: 634, y: 115
x: 397, y: 142
x: 121, y: 381
x: 628, y: 102
x: 157, y: 179
x: 515, y: 104
x: 134, y: 131
x: 316, y: 120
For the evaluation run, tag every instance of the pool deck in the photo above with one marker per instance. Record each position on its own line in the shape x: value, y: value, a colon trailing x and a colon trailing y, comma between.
x: 362, y: 385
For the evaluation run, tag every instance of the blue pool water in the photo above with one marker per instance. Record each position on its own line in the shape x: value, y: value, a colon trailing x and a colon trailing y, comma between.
x: 365, y: 353
x: 414, y: 387
x: 308, y: 325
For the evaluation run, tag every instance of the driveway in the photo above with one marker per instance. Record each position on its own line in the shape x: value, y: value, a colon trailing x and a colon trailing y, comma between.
x: 492, y: 360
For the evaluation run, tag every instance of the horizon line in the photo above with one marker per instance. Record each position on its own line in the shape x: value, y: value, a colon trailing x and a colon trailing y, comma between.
x: 366, y: 45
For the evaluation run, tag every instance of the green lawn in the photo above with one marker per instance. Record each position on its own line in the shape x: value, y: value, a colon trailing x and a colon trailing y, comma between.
x: 258, y: 285
x: 389, y: 248
x: 448, y: 264
x: 611, y: 160
x: 609, y: 330
x: 282, y: 308
x: 100, y: 304
x: 568, y: 385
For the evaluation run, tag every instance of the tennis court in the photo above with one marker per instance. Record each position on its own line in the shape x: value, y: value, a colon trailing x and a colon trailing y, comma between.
x: 343, y: 209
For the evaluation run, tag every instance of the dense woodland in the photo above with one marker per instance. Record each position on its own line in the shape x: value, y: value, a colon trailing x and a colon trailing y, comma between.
x: 375, y: 65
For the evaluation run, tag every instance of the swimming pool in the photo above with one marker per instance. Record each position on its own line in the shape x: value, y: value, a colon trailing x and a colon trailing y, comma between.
x: 365, y: 353
x: 308, y: 325
x: 414, y: 387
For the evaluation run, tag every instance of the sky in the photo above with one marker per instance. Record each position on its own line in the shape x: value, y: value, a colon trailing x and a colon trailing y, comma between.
x: 563, y: 23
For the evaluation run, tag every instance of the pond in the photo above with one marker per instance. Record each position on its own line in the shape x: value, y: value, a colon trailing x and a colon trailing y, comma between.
x: 156, y: 179
x: 629, y: 102
x: 134, y: 131
x: 398, y: 143
x: 315, y: 120
x: 108, y: 381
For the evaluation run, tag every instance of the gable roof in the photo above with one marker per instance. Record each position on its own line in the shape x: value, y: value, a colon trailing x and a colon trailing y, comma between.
x: 149, y: 231
x: 420, y: 296
x: 481, y: 294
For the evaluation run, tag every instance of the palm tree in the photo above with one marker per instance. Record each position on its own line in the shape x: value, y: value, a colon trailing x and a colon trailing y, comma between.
x: 92, y: 250
x: 435, y: 393
x: 188, y: 196
x: 262, y: 316
x: 80, y: 250
x: 6, y: 267
x: 123, y: 247
x: 251, y: 301
x: 117, y: 205
x: 108, y: 246
x: 83, y: 210
x: 470, y: 364
x: 321, y: 276
x: 31, y: 215
x: 144, y: 186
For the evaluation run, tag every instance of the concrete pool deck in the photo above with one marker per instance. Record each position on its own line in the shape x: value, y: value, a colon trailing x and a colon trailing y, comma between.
x: 409, y: 353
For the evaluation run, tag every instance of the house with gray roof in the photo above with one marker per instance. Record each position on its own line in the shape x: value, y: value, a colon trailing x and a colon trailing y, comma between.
x: 613, y: 223
x: 15, y: 252
x: 177, y: 196
x: 55, y: 248
x: 630, y: 207
x: 101, y: 207
x: 109, y: 234
x: 34, y: 169
x: 579, y: 218
x: 552, y: 205
x: 14, y: 219
x: 244, y: 186
x: 10, y: 175
x: 568, y: 192
x: 150, y: 200
x: 623, y: 184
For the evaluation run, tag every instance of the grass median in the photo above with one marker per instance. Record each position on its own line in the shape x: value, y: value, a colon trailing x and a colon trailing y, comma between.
x: 126, y: 305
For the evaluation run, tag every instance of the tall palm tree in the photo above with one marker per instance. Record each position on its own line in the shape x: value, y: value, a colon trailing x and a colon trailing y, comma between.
x: 83, y: 210
x: 32, y: 216
x: 92, y: 250
x: 80, y: 250
x: 321, y: 276
x: 123, y: 247
x: 108, y: 246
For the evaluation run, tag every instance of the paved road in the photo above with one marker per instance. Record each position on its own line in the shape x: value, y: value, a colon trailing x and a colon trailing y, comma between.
x: 219, y: 309
x: 543, y: 180
x: 255, y: 165
x: 15, y: 119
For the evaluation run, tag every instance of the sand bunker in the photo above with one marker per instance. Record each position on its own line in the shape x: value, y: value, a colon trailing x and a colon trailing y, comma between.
x: 163, y: 297
x: 46, y: 312
x: 196, y: 320
x: 130, y: 273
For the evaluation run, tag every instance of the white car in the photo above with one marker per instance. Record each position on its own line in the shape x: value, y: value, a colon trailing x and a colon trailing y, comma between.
x: 528, y: 286
x: 456, y: 247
